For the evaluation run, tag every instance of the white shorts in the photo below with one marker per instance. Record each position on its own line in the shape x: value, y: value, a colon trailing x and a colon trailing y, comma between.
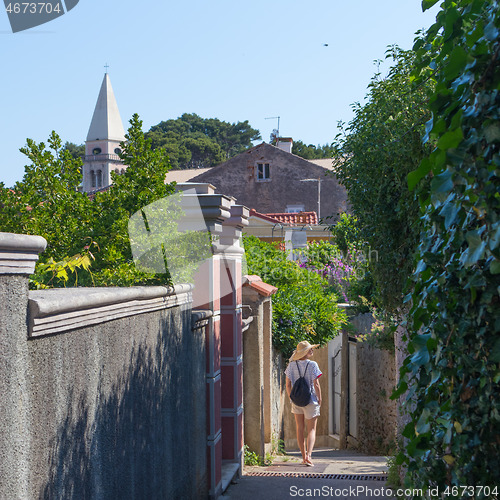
x: 309, y: 411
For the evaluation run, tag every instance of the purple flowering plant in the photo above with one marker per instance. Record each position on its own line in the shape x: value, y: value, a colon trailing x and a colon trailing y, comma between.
x: 340, y: 268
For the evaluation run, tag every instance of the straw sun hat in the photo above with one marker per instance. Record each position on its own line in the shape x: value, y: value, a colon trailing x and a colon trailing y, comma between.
x: 302, y: 350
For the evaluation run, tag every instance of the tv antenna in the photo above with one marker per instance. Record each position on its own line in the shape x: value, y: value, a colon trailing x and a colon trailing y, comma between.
x: 278, y: 129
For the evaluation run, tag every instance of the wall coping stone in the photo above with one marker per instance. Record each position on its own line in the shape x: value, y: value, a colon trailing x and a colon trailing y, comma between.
x: 201, y: 318
x: 62, y: 309
x: 19, y: 253
x: 239, y: 217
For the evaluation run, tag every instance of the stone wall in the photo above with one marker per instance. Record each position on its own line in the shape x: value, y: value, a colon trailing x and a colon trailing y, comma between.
x: 278, y: 395
x: 376, y: 412
x: 105, y: 410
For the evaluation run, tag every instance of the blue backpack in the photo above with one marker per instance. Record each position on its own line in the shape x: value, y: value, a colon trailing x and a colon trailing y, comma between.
x: 301, y: 391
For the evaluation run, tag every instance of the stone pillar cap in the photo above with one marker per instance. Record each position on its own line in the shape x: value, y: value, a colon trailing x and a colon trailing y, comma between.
x: 239, y: 216
x: 19, y: 253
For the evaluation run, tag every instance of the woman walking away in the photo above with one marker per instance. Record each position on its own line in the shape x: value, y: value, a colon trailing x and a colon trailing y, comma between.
x: 307, y: 397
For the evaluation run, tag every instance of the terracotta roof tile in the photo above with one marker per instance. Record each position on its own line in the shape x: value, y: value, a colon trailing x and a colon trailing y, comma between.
x: 262, y: 216
x: 290, y: 219
x: 257, y: 284
x: 296, y: 218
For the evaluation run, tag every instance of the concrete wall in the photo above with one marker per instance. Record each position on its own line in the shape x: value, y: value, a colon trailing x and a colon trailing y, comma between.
x: 103, y: 411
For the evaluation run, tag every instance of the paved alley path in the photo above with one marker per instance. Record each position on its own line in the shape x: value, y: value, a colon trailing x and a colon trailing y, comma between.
x: 336, y: 474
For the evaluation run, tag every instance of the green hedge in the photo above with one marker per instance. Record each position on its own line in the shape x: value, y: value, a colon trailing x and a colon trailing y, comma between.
x: 452, y: 371
x: 304, y: 307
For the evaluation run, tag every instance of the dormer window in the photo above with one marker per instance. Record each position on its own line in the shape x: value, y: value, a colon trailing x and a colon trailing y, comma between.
x: 263, y: 172
x: 294, y: 209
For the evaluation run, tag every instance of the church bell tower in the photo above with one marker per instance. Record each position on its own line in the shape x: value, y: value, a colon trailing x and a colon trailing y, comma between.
x: 102, y: 146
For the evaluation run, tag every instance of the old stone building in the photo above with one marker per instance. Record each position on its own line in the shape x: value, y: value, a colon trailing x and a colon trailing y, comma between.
x: 270, y: 179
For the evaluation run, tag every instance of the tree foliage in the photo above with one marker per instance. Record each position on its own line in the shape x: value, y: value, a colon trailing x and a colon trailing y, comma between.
x: 453, y: 368
x: 310, y: 151
x: 48, y: 202
x: 195, y: 142
x: 378, y: 148
x: 142, y: 183
x: 304, y: 307
x: 76, y: 150
x: 347, y: 236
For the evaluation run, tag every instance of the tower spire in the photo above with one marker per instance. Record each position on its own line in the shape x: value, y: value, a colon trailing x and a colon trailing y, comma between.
x: 106, y: 122
x: 102, y: 147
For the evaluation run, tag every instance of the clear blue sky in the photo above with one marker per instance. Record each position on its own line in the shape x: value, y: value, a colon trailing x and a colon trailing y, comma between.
x: 228, y: 59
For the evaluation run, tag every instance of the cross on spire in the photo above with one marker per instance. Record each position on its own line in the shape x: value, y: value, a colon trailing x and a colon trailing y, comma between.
x: 106, y: 66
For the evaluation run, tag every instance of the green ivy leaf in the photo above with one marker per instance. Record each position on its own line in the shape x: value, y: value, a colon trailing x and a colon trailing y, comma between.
x: 427, y: 4
x: 492, y: 132
x: 416, y: 176
x: 400, y: 390
x: 450, y: 139
x: 495, y: 352
x: 421, y: 355
x: 449, y: 211
x: 477, y: 246
x: 495, y: 267
x: 423, y: 424
x: 442, y: 183
x: 409, y: 430
x: 428, y: 129
x: 456, y: 63
x: 491, y: 32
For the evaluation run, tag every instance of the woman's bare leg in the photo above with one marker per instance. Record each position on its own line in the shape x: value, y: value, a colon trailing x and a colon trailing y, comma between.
x: 299, y: 424
x: 311, y: 437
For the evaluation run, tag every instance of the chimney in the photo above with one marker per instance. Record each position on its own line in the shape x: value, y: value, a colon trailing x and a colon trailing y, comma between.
x: 285, y: 143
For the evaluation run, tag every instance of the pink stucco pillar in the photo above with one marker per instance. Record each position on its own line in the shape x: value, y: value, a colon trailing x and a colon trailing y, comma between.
x: 215, y: 209
x: 218, y: 289
x: 231, y: 253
